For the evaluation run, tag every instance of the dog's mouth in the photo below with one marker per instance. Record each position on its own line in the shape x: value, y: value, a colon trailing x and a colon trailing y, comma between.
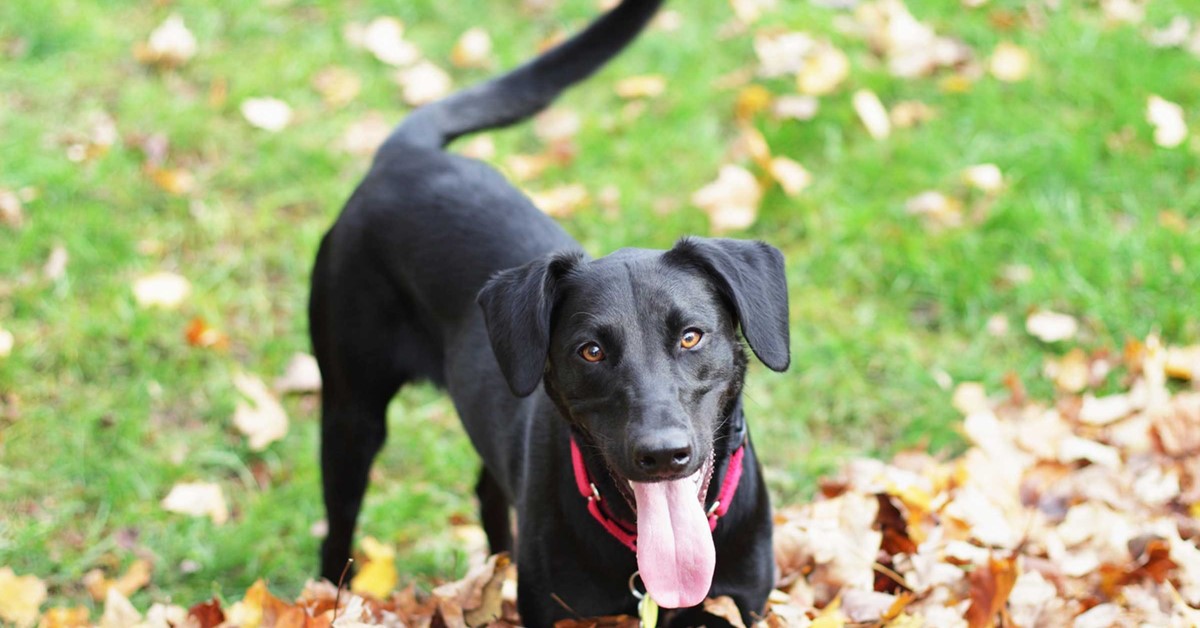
x: 675, y: 552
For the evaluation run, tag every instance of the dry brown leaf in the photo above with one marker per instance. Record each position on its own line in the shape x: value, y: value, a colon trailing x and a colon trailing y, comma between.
x: 198, y: 499
x: 872, y: 114
x: 11, y: 213
x: 473, y: 49
x: 384, y: 38
x: 162, y: 289
x: 134, y: 578
x: 423, y: 83
x: 200, y: 334
x: 725, y: 608
x: 970, y: 397
x: 990, y: 589
x: 118, y: 611
x: 76, y: 617
x: 1183, y: 362
x: 731, y: 201
x: 644, y: 86
x: 259, y: 416
x: 268, y: 114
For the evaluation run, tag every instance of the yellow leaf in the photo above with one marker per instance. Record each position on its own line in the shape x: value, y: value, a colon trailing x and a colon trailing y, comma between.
x: 134, y: 578
x: 65, y: 618
x: 645, y: 86
x: 377, y: 576
x: 751, y: 101
x: 20, y: 597
x: 173, y: 180
x: 831, y: 616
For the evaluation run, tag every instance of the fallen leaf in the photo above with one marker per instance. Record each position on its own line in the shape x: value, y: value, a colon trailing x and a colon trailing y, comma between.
x: 7, y: 341
x: 990, y: 589
x: 872, y: 113
x: 986, y: 178
x: 731, y: 201
x: 384, y: 38
x: 170, y: 45
x: 1166, y: 117
x: 782, y: 53
x: 1010, y: 63
x: 377, y: 574
x: 1181, y: 362
x: 1105, y: 410
x: 423, y: 83
x: 1175, y: 34
x: 562, y: 201
x: 162, y: 289
x: 118, y: 611
x: 207, y: 614
x: 1050, y: 326
x: 481, y: 147
x: 197, y: 499
x: 76, y: 617
x: 258, y: 416
x: 301, y: 375
x: 364, y: 136
x: 20, y: 597
x: 173, y: 180
x: 477, y: 597
x: 796, y: 107
x: 725, y: 608
x: 338, y: 86
x: 1128, y: 11
x: 556, y: 124
x: 823, y: 71
x: 970, y: 397
x: 643, y: 86
x: 200, y: 334
x: 11, y: 213
x: 55, y: 267
x: 910, y: 113
x: 268, y: 114
x: 937, y: 210
x: 790, y: 175
x: 751, y: 101
x: 749, y: 11
x: 473, y: 49
x: 134, y: 578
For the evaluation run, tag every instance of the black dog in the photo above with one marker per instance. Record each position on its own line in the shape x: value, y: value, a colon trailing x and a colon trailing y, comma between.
x: 629, y: 364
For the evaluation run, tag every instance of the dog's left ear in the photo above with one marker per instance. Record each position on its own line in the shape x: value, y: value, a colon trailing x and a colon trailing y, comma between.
x: 750, y: 274
x: 517, y: 304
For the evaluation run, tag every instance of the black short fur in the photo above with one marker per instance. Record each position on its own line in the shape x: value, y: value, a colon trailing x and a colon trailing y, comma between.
x: 395, y: 287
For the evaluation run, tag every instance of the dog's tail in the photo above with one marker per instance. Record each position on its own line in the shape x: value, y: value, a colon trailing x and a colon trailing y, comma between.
x: 529, y: 88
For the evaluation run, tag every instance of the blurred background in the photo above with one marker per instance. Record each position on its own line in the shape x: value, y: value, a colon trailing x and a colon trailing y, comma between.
x: 965, y: 191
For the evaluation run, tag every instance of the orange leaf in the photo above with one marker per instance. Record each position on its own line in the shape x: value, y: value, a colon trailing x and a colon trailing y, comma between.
x: 989, y: 591
x: 207, y: 614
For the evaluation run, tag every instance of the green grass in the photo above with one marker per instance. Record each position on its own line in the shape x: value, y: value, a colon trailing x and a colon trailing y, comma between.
x: 108, y: 406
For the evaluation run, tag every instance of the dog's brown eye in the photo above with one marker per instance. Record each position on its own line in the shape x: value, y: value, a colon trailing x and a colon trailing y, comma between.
x: 591, y: 352
x: 690, y: 338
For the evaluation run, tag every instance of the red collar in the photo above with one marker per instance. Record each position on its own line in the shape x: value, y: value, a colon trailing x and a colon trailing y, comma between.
x: 622, y: 531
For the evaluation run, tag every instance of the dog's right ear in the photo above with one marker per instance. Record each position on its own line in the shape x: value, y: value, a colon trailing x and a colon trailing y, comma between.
x: 517, y: 304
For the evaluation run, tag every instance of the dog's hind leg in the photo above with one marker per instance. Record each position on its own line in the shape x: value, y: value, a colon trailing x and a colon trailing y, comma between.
x: 493, y: 512
x: 368, y: 344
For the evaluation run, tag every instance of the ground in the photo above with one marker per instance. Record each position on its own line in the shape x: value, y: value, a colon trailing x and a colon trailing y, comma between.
x: 106, y: 404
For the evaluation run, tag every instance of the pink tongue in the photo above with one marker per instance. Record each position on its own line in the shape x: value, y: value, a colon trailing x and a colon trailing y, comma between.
x: 675, y: 550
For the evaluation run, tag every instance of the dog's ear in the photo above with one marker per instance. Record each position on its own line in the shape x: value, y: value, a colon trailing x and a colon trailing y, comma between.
x: 750, y: 274
x: 517, y: 304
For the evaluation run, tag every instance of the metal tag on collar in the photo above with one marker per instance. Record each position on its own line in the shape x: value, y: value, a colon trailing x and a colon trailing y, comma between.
x: 647, y: 607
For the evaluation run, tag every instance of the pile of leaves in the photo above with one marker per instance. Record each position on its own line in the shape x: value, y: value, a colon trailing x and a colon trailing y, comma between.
x: 1083, y: 512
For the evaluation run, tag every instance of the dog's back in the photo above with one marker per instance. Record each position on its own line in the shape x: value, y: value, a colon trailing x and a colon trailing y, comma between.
x: 396, y: 278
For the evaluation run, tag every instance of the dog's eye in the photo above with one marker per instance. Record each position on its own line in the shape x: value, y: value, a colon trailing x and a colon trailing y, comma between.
x: 591, y: 352
x: 690, y: 338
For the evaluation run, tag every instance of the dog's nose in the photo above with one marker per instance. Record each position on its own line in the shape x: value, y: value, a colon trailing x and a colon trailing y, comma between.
x: 664, y: 455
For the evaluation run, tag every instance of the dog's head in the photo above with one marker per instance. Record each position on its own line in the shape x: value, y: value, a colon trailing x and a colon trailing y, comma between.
x: 640, y: 348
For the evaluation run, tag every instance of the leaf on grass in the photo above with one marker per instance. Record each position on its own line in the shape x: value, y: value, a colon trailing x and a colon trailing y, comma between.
x: 751, y: 101
x: 823, y: 71
x: 872, y: 114
x: 423, y: 83
x: 643, y: 86
x: 562, y: 201
x: 384, y: 38
x: 20, y: 597
x: 557, y: 124
x: 200, y: 334
x: 731, y: 201
x: 476, y: 599
x: 207, y: 614
x: 198, y: 499
x: 134, y: 578
x: 1128, y: 11
x: 936, y: 210
x: 1105, y: 410
x: 175, y: 181
x: 1181, y: 362
x: 11, y: 213
x: 301, y: 375
x: 7, y: 341
x: 790, y: 175
x: 162, y: 289
x: 1010, y: 63
x: 170, y: 45
x: 990, y: 589
x: 749, y: 11
x: 986, y: 178
x: 796, y: 107
x: 268, y: 114
x: 338, y: 86
x: 1166, y: 117
x: 782, y: 53
x: 473, y: 49
x: 364, y: 136
x: 259, y: 415
x: 910, y: 113
x: 377, y: 574
x: 1050, y: 326
x: 75, y: 617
